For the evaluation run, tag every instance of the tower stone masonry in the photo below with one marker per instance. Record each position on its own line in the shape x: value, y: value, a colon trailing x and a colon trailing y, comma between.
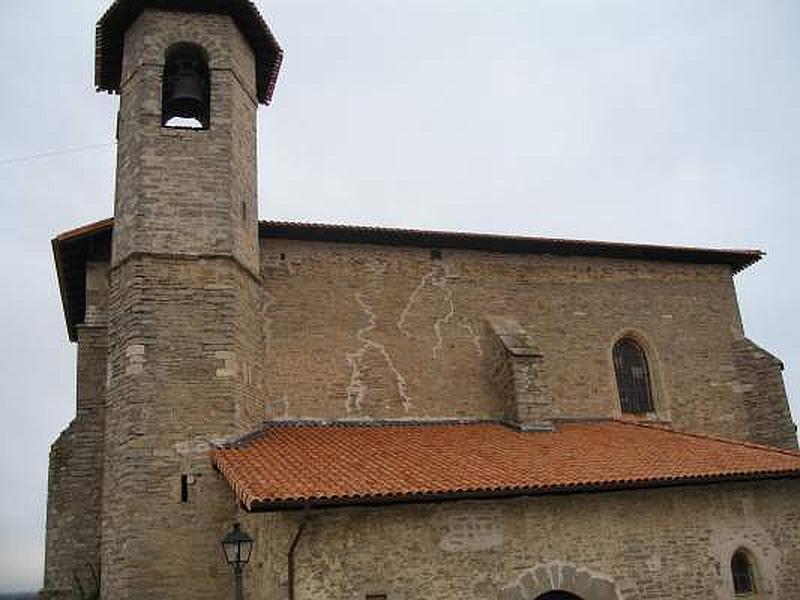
x: 391, y: 414
x: 183, y: 312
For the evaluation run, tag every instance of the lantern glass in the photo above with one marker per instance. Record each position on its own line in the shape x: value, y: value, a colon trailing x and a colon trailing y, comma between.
x: 237, y: 546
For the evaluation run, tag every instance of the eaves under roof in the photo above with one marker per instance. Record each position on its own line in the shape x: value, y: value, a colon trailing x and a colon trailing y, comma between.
x: 121, y: 14
x: 73, y: 249
x: 293, y: 465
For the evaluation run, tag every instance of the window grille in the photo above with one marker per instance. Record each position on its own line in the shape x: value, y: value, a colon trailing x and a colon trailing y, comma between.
x: 742, y: 571
x: 633, y: 377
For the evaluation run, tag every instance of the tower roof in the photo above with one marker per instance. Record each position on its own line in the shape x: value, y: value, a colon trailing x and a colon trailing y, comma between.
x: 114, y: 23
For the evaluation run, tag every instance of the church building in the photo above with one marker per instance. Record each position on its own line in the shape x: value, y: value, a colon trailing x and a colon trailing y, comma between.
x: 388, y: 414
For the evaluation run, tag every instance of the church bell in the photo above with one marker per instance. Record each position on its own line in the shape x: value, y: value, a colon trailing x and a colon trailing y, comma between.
x: 186, y: 90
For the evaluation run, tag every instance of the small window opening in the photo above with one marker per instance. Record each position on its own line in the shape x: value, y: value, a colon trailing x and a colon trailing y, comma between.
x: 375, y: 597
x: 283, y: 256
x: 633, y: 377
x: 744, y: 581
x: 436, y: 254
x: 186, y: 89
x: 184, y: 488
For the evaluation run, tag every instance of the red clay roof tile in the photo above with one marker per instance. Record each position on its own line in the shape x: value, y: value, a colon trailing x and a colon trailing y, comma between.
x: 292, y: 465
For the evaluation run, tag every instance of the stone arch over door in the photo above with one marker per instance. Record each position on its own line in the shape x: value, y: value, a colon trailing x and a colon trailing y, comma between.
x: 560, y: 581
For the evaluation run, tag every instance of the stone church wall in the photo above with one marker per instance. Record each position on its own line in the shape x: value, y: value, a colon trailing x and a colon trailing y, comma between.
x: 763, y: 395
x: 75, y: 477
x: 657, y: 544
x: 382, y: 332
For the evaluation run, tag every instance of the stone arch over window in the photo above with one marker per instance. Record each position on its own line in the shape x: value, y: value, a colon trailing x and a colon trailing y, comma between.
x: 633, y: 376
x: 743, y: 572
x: 560, y: 581
x: 186, y: 87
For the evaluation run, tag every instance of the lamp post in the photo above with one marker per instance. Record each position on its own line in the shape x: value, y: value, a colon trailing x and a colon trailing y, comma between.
x: 237, y: 546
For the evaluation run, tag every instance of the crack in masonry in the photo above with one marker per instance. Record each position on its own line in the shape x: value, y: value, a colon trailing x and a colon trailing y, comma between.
x: 266, y: 330
x: 271, y: 404
x: 357, y: 390
x: 441, y: 283
x: 401, y: 322
x: 476, y: 338
x: 438, y: 279
x: 267, y: 302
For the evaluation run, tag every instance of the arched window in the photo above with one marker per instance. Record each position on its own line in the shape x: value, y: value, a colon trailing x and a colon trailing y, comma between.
x: 744, y: 580
x: 633, y: 377
x: 558, y: 596
x: 186, y: 89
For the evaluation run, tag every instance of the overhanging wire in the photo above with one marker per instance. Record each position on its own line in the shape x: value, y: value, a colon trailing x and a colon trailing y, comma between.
x: 19, y: 159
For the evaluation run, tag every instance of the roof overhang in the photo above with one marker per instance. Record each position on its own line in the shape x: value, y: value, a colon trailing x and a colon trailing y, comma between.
x: 73, y: 249
x: 111, y: 28
x: 434, y: 498
x: 738, y: 260
x: 303, y: 465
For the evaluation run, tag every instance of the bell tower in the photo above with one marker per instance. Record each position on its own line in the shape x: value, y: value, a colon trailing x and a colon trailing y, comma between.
x: 184, y: 284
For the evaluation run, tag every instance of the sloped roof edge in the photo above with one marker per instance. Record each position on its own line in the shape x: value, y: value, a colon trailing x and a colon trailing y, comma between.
x: 72, y: 249
x: 278, y: 468
x: 738, y: 259
x: 111, y: 28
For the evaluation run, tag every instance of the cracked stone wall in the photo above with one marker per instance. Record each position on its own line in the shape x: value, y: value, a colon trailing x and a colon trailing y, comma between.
x: 655, y: 544
x: 358, y: 331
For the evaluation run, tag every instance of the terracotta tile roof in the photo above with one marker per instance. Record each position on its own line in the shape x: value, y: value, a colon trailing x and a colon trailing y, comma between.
x: 292, y: 465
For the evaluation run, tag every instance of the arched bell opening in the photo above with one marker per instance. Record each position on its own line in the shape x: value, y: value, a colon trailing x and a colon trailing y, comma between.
x: 558, y: 595
x: 186, y: 88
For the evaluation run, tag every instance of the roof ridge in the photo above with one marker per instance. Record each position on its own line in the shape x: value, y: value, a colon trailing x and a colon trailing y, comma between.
x: 400, y: 422
x: 716, y: 438
x: 245, y: 439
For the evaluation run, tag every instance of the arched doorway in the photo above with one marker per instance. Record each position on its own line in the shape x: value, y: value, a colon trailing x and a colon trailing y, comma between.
x: 570, y: 583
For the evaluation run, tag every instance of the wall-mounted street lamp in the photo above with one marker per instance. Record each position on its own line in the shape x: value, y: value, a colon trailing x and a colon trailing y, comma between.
x: 237, y: 546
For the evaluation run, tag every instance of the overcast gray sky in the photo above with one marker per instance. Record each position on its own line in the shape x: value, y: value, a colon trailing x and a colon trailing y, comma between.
x: 664, y: 121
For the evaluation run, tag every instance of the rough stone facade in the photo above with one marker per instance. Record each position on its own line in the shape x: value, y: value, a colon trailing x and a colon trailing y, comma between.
x: 184, y: 315
x: 516, y: 370
x: 657, y: 544
x: 760, y: 390
x: 75, y: 478
x: 385, y: 332
x: 196, y: 331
